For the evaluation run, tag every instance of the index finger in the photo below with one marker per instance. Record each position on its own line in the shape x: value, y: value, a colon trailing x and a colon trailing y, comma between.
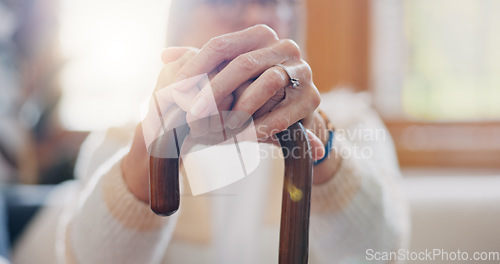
x: 226, y: 47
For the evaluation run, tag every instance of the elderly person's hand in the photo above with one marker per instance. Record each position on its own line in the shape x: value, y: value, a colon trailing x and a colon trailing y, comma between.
x: 244, y: 78
x: 247, y: 75
x: 253, y: 54
x: 251, y: 81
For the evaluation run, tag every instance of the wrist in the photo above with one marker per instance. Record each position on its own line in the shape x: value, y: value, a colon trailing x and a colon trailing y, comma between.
x: 325, y: 169
x: 135, y: 167
x: 135, y: 176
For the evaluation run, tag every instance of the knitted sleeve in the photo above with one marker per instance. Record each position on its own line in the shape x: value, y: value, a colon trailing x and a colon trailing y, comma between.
x: 95, y: 219
x: 107, y: 224
x: 359, y: 209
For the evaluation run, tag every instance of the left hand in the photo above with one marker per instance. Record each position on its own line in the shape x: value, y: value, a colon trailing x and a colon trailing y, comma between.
x: 254, y: 85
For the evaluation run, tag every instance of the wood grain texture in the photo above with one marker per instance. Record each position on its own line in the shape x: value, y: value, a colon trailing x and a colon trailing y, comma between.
x: 295, y: 208
x: 164, y: 188
x: 296, y: 201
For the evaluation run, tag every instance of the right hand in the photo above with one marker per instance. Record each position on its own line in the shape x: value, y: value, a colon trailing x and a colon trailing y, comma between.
x: 135, y: 165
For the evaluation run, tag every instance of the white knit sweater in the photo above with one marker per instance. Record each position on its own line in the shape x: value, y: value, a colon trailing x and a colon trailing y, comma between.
x: 97, y: 220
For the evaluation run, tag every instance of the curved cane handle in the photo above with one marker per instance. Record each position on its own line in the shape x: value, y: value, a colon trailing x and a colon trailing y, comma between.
x: 295, y: 207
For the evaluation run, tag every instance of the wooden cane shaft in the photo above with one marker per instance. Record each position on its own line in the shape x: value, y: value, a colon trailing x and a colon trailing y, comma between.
x: 296, y: 199
x: 295, y: 208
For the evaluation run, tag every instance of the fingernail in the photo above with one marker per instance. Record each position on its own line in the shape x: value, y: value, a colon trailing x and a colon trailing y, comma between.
x: 232, y: 121
x: 200, y: 106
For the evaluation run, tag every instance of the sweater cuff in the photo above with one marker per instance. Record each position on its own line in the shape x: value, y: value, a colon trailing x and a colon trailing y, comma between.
x: 124, y: 206
x: 335, y: 194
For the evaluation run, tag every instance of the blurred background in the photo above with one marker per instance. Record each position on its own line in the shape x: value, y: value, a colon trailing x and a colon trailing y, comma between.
x: 68, y: 67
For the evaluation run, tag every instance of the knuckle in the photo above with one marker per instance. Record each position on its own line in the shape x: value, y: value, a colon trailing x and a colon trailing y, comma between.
x: 246, y: 62
x: 266, y: 31
x: 218, y: 44
x: 307, y: 70
x: 315, y: 97
x: 292, y: 48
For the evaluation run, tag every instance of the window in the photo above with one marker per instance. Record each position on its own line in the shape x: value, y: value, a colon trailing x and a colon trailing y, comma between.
x: 453, y: 59
x: 433, y: 67
x: 436, y: 80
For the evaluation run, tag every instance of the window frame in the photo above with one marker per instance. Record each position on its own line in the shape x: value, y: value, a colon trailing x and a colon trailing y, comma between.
x: 360, y: 40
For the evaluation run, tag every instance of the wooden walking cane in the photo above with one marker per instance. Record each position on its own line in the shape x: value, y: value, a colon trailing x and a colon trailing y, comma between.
x: 295, y: 207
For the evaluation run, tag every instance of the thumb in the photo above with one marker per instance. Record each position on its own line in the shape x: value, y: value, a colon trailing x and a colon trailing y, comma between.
x: 317, y: 147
